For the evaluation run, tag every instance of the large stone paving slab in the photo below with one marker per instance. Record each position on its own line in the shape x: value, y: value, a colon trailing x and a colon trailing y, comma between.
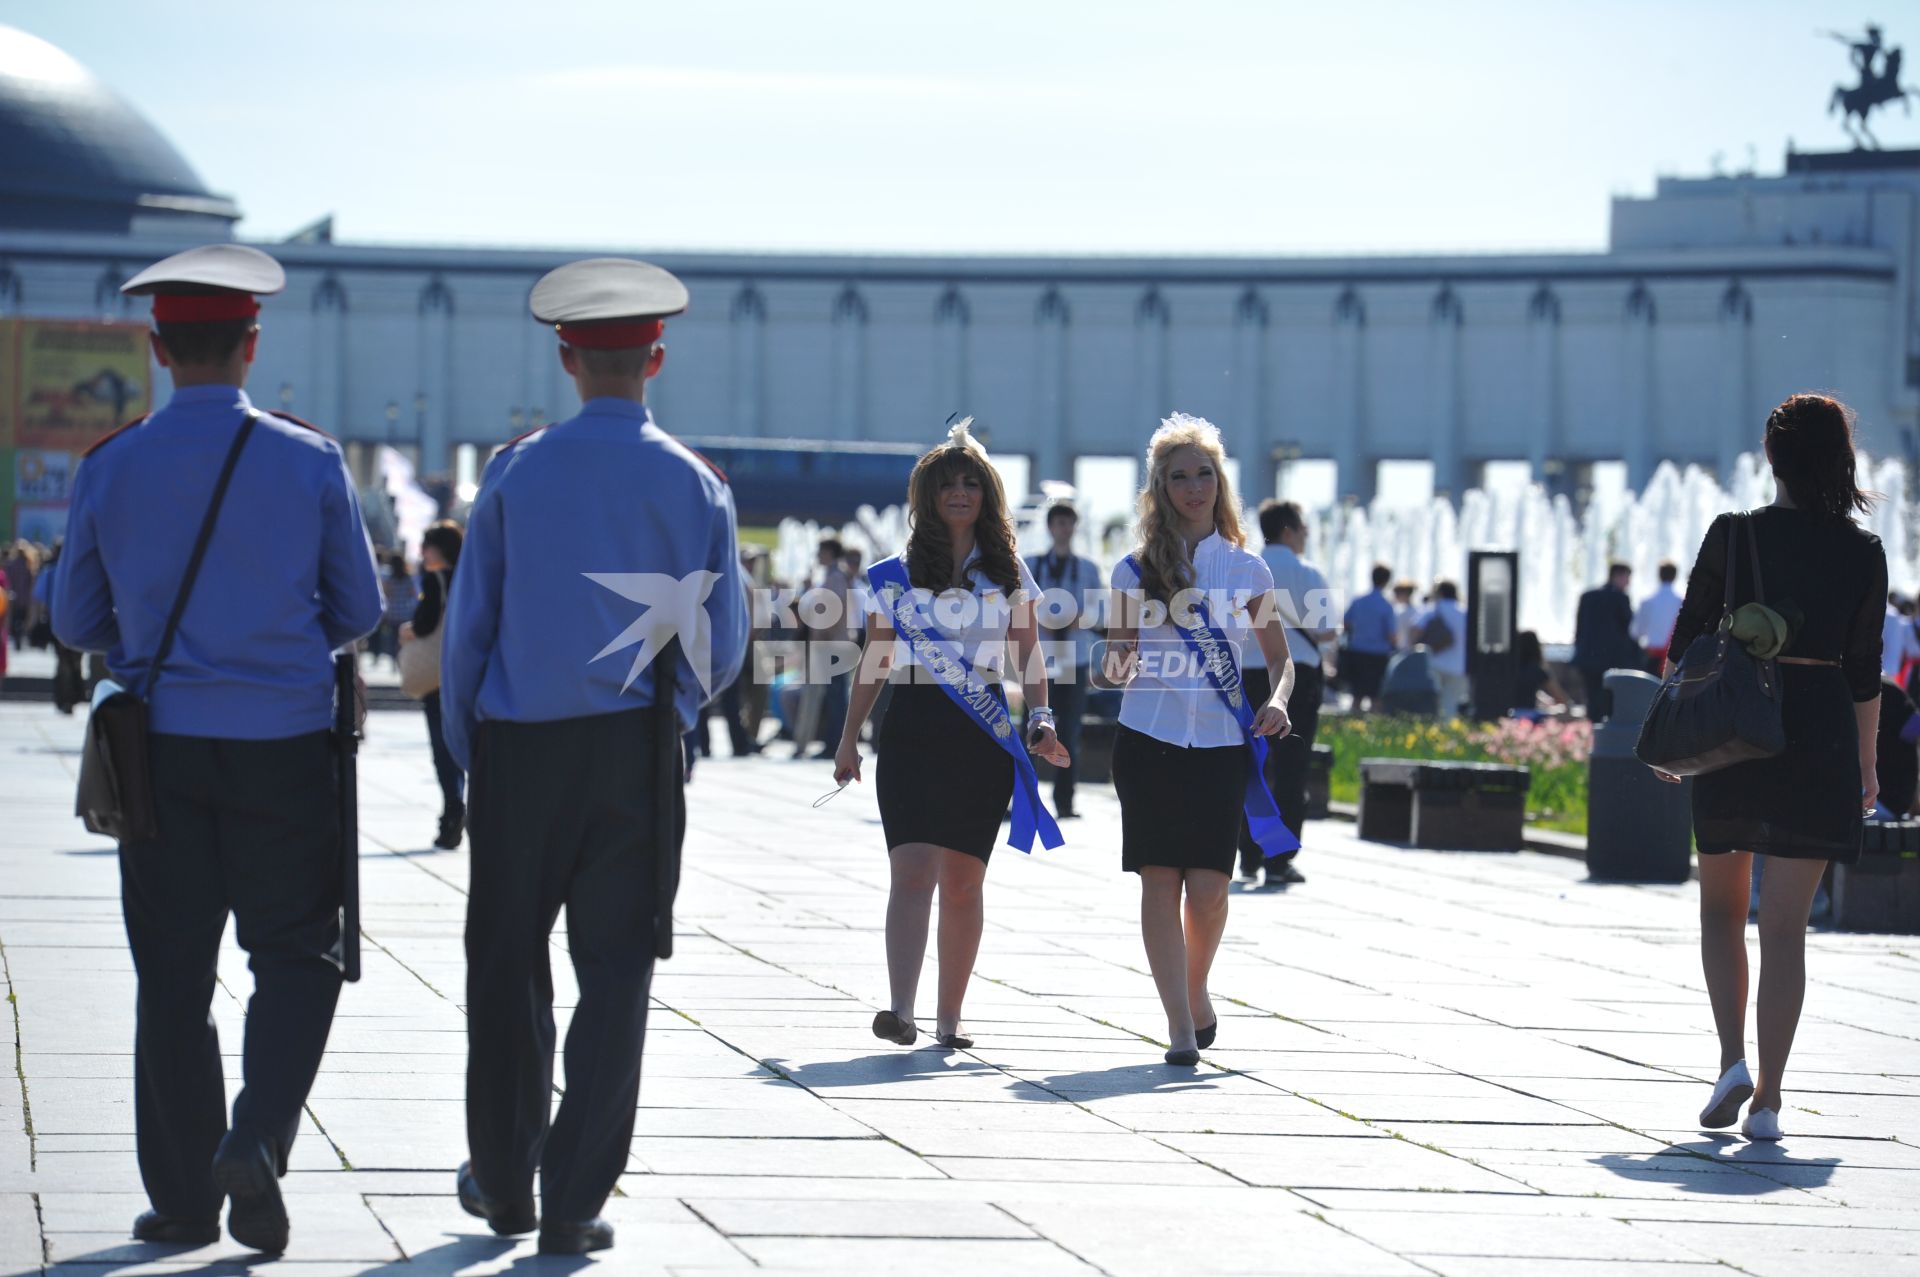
x: 1428, y: 1063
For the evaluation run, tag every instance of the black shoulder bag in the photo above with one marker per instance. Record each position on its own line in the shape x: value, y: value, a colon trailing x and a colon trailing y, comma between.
x: 1719, y: 706
x: 115, y: 795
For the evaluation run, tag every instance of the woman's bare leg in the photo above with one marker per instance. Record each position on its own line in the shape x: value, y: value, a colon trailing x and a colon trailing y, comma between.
x: 1206, y: 916
x: 1786, y: 896
x: 916, y: 868
x: 1166, y: 942
x: 962, y: 916
x: 1724, y: 883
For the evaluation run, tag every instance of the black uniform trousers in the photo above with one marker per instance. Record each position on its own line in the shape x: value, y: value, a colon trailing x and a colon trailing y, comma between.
x: 250, y: 826
x: 560, y: 813
x: 1287, y: 758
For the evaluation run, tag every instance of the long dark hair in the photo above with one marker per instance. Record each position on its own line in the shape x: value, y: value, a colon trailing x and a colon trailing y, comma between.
x: 1810, y: 442
x: 929, y: 553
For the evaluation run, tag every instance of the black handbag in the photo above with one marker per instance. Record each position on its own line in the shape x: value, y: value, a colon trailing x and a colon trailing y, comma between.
x: 1720, y: 705
x: 115, y: 794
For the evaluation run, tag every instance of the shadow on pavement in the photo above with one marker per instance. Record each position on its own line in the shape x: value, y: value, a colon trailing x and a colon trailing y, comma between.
x: 1122, y: 1079
x: 1719, y: 1165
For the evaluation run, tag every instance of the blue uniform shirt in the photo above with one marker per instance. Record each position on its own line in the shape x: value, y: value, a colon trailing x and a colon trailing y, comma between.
x: 1372, y: 624
x: 287, y: 578
x: 585, y: 536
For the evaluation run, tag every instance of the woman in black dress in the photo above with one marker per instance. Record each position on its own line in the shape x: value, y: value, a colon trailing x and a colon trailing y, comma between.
x: 944, y: 785
x: 439, y: 555
x: 1802, y: 808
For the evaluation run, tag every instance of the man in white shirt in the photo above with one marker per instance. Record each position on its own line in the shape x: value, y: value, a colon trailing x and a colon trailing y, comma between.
x: 1071, y: 589
x: 1653, y: 620
x: 1307, y: 609
x: 1442, y: 630
x: 1898, y: 641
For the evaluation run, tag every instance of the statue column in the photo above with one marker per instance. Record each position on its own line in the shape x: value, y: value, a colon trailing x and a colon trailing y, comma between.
x: 1443, y: 391
x: 1348, y: 415
x: 952, y: 318
x: 1739, y: 429
x: 435, y: 390
x: 1050, y: 387
x: 1545, y: 435
x: 1636, y: 385
x: 746, y: 348
x: 1251, y: 434
x: 849, y: 365
x: 329, y: 355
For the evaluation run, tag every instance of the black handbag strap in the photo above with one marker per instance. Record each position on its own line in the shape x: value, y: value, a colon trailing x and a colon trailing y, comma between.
x: 1734, y: 524
x: 199, y: 551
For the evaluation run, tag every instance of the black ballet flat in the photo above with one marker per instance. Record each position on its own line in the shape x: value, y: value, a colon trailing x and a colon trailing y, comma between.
x: 893, y: 1029
x: 1185, y: 1059
x: 1203, y: 1038
x: 954, y: 1042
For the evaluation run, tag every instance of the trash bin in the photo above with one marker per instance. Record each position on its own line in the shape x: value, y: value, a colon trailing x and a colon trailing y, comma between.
x: 1409, y: 686
x: 1639, y: 827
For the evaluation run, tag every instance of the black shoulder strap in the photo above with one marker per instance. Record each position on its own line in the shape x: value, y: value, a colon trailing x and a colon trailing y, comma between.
x: 1732, y: 564
x: 199, y: 550
x: 1753, y: 554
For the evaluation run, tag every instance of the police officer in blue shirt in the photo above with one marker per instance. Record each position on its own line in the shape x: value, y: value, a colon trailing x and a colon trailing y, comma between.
x: 239, y: 711
x: 594, y: 545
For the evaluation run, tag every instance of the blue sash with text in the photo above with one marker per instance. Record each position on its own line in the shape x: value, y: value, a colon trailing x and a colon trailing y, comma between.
x: 1215, y: 655
x: 982, y: 702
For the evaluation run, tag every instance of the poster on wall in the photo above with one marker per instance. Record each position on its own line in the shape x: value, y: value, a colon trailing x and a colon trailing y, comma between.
x: 43, y: 523
x: 42, y: 476
x: 74, y: 382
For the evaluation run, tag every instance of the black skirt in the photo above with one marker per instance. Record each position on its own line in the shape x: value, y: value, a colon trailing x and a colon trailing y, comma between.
x: 1179, y: 808
x: 940, y: 779
x: 1804, y: 803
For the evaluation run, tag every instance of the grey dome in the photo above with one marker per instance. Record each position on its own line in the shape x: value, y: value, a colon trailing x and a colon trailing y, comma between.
x: 74, y: 156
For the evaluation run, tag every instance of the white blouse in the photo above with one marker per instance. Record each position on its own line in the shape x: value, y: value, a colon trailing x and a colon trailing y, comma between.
x: 977, y: 618
x: 1170, y: 697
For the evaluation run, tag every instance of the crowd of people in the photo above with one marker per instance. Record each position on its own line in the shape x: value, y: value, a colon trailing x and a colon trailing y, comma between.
x: 566, y: 778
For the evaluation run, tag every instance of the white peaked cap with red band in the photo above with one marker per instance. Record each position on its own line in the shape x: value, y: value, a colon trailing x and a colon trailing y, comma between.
x: 608, y: 302
x: 209, y: 283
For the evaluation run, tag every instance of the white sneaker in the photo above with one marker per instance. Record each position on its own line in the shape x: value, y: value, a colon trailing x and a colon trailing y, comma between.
x: 1733, y: 1089
x: 1761, y: 1124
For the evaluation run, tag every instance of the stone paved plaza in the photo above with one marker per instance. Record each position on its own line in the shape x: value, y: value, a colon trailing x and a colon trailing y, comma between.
x: 1474, y: 1065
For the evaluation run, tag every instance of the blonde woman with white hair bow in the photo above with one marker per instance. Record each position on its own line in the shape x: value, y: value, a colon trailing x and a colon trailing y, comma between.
x: 1187, y: 754
x: 947, y: 615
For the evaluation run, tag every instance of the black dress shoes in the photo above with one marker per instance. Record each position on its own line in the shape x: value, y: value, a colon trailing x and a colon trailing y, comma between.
x: 560, y: 1237
x: 168, y: 1230
x: 1283, y: 874
x: 1203, y: 1038
x: 504, y: 1218
x: 452, y: 823
x: 248, y: 1171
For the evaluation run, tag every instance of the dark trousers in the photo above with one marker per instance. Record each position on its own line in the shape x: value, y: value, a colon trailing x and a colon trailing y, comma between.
x: 453, y: 782
x: 249, y: 826
x: 1068, y: 698
x: 562, y: 815
x: 733, y: 709
x: 69, y: 678
x: 1288, y: 757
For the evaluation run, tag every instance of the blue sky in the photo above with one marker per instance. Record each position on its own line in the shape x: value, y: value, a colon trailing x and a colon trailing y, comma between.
x: 1205, y: 126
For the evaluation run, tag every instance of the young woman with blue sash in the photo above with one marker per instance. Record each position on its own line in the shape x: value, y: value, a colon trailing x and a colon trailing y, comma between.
x: 1187, y: 754
x: 946, y: 617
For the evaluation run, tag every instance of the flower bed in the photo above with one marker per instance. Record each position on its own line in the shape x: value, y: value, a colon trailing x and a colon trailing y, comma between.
x: 1556, y: 753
